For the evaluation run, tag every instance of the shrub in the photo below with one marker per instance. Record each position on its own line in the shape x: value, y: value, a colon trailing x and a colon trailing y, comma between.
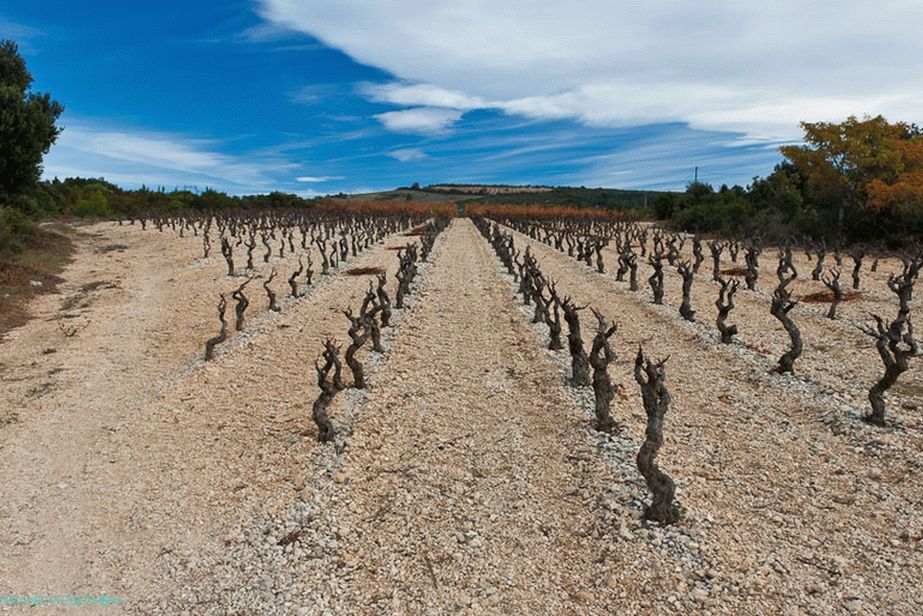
x: 92, y: 203
x: 15, y: 229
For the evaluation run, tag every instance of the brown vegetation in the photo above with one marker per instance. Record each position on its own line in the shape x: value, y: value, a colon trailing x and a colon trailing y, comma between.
x: 825, y: 297
x: 364, y: 271
x: 40, y: 263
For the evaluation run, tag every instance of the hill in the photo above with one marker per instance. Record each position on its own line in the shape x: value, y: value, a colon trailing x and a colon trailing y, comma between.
x: 609, y: 198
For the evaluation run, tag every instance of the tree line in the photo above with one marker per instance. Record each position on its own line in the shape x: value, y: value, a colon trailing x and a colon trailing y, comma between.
x: 860, y: 180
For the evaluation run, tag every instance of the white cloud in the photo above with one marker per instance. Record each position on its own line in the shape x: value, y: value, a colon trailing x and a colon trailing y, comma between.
x: 759, y: 68
x: 420, y: 120
x: 419, y: 94
x: 318, y: 178
x: 407, y: 154
x: 133, y: 157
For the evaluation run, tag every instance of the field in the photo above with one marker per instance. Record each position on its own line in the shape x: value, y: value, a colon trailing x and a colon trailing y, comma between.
x: 469, y: 475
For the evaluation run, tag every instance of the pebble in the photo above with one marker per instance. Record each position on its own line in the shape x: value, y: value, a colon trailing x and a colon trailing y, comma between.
x: 853, y: 605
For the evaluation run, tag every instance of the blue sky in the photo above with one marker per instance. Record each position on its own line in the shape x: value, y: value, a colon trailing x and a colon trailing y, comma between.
x: 323, y: 96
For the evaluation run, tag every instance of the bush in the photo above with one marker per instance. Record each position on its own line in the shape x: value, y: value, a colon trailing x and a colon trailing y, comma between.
x: 715, y: 216
x: 15, y: 229
x: 92, y: 203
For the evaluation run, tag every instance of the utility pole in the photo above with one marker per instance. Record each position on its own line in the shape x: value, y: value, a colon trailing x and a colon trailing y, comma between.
x: 696, y: 180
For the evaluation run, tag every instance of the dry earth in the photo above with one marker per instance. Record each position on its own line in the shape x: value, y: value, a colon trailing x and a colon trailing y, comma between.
x: 467, y: 478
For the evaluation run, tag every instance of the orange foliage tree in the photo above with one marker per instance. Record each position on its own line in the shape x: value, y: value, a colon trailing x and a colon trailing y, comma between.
x: 387, y: 206
x: 905, y: 191
x: 841, y: 161
x: 534, y: 212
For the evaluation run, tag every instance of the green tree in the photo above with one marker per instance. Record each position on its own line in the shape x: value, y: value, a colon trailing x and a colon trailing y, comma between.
x: 840, y: 160
x: 27, y: 124
x: 92, y: 202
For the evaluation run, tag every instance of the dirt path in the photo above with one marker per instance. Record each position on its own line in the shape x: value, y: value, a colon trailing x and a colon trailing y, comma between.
x: 463, y: 471
x: 116, y: 439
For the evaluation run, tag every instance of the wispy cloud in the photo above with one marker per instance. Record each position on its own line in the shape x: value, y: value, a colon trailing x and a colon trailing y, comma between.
x: 320, y: 93
x: 407, y: 154
x: 420, y: 120
x: 318, y: 178
x: 265, y: 32
x: 13, y: 29
x: 133, y: 156
x: 21, y: 33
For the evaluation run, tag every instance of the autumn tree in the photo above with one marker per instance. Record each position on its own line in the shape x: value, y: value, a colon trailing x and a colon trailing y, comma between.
x: 904, y: 190
x: 855, y: 162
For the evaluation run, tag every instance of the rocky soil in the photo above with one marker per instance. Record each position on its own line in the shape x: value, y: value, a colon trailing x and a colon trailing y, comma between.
x: 468, y: 477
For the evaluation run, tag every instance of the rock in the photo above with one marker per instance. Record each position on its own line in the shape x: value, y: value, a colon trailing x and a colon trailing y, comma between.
x: 699, y: 595
x: 853, y: 605
x: 584, y: 596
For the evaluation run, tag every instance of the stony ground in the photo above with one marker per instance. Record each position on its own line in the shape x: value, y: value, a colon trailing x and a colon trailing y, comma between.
x: 467, y: 478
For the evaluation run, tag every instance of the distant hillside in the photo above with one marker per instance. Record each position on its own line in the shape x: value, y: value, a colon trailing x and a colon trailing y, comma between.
x: 407, y: 194
x: 485, y: 189
x: 609, y: 198
x: 613, y: 198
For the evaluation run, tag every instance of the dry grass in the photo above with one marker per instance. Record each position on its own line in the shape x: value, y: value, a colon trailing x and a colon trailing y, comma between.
x: 364, y: 271
x: 416, y: 231
x: 41, y: 262
x: 81, y: 296
x: 825, y: 297
x: 734, y: 271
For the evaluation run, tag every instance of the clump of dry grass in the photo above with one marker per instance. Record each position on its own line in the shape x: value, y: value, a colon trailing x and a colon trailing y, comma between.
x: 825, y: 297
x: 41, y: 261
x: 364, y: 271
x: 416, y: 231
x: 734, y: 271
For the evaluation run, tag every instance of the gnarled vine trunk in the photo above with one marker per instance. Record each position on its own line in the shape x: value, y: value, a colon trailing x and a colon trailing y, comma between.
x: 222, y: 335
x: 600, y: 358
x: 650, y: 376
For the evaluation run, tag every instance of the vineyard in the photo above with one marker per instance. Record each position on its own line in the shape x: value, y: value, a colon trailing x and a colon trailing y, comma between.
x: 382, y: 408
